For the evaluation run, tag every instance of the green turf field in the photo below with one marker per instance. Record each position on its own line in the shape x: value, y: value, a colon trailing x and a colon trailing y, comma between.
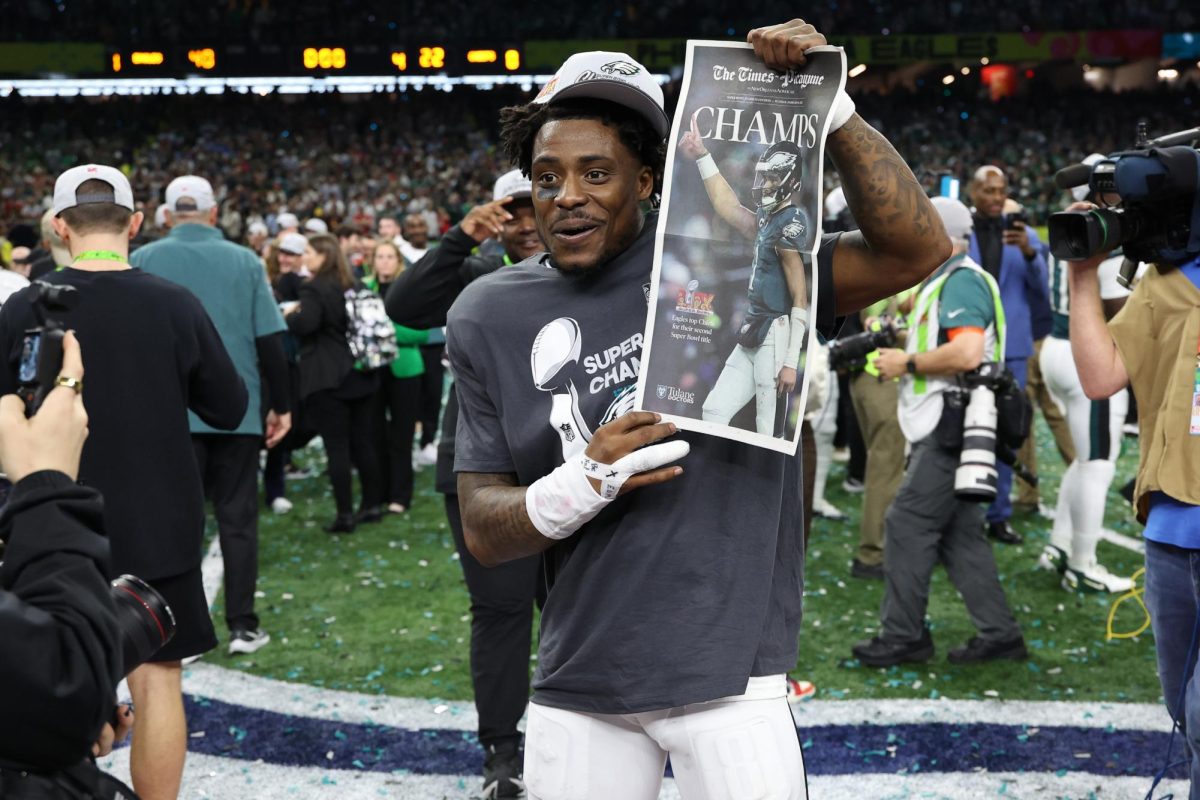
x: 385, y: 610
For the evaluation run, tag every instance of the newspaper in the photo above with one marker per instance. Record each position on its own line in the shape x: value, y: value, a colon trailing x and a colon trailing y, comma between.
x: 732, y: 251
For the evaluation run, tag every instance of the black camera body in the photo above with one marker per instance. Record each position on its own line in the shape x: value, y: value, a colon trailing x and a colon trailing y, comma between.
x: 41, y: 354
x: 1157, y: 218
x: 849, y: 354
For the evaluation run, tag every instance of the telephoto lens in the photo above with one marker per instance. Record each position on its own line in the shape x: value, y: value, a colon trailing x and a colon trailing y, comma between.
x: 145, y: 620
x: 975, y: 478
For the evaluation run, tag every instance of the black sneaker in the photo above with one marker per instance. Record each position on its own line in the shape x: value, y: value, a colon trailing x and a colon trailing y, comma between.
x: 876, y: 652
x: 502, y: 771
x: 1003, y: 532
x: 977, y: 650
x: 372, y: 514
x: 242, y: 641
x: 867, y: 572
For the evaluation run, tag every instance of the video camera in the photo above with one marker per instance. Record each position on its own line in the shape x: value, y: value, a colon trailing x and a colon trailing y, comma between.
x: 849, y: 354
x: 1156, y: 214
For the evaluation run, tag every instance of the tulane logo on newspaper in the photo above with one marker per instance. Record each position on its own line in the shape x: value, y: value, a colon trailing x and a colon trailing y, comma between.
x: 676, y: 395
x: 692, y: 302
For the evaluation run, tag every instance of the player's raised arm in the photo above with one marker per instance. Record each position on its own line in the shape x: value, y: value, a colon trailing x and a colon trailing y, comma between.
x: 900, y: 239
x: 720, y: 193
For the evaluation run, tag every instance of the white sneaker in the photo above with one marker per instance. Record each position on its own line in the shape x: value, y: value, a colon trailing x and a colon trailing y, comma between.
x: 427, y: 455
x: 281, y: 505
x: 247, y: 641
x: 1095, y: 578
x: 826, y: 509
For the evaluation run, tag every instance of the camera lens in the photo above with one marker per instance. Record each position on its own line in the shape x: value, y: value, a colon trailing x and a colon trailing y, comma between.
x: 145, y: 619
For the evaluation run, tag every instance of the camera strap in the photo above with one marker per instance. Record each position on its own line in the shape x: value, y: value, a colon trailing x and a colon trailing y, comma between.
x: 1194, y: 427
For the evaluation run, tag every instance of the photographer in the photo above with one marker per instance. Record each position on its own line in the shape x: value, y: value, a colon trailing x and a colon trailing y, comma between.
x: 957, y: 325
x: 62, y: 648
x: 1152, y: 344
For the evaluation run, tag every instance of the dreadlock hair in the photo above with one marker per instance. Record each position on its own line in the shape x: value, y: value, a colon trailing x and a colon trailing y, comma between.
x: 519, y: 126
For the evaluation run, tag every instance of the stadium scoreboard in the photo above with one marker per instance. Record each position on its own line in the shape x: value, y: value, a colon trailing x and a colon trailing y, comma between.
x: 316, y: 58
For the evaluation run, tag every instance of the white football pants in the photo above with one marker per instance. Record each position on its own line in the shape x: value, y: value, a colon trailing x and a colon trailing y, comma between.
x: 1096, y: 430
x: 735, y: 748
x: 749, y: 374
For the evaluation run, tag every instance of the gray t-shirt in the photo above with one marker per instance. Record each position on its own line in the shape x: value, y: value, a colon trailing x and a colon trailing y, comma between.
x: 676, y: 593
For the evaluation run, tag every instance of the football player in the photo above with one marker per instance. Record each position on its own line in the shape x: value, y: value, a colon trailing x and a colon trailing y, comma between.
x: 764, y: 362
x: 673, y: 609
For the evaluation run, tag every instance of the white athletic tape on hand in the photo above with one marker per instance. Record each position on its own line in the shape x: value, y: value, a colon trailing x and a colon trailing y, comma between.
x: 613, y: 476
x: 797, y: 330
x: 560, y: 503
x: 843, y: 109
x: 707, y: 166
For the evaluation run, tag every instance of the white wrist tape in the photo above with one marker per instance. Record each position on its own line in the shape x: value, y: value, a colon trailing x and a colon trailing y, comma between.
x: 797, y: 331
x: 843, y: 109
x: 560, y: 503
x: 707, y: 166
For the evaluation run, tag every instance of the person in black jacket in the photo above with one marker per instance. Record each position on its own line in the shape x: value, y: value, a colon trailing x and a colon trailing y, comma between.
x: 502, y: 597
x: 62, y: 647
x: 340, y: 400
x: 153, y: 354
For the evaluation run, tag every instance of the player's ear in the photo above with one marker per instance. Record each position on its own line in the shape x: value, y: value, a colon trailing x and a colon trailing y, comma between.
x: 645, y: 183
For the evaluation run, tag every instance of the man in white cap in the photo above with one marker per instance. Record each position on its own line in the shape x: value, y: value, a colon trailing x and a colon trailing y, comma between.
x: 152, y: 354
x: 257, y: 236
x: 1095, y: 431
x: 315, y: 225
x: 674, y: 606
x: 502, y: 598
x: 230, y: 283
x: 956, y: 325
x: 288, y: 223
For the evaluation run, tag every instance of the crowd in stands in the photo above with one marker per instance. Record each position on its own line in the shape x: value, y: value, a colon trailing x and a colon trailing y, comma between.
x: 263, y: 22
x: 433, y: 152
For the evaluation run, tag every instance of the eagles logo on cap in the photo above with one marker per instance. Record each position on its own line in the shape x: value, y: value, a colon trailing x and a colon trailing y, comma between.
x: 615, y: 77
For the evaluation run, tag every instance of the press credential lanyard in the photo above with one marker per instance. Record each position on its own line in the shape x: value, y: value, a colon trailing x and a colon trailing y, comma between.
x: 1194, y: 428
x: 100, y: 255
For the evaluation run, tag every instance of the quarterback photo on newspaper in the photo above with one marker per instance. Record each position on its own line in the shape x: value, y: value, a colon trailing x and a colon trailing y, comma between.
x: 733, y: 281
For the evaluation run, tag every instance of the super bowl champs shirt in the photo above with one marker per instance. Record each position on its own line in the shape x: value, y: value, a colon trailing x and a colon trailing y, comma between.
x: 676, y: 593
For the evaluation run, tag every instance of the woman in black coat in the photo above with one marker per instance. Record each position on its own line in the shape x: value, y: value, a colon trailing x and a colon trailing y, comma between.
x: 338, y: 399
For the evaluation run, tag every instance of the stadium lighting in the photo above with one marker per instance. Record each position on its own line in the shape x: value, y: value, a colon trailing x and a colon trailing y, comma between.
x: 985, y: 61
x: 1168, y: 74
x: 856, y: 71
x: 103, y: 87
x: 965, y: 70
x: 949, y: 79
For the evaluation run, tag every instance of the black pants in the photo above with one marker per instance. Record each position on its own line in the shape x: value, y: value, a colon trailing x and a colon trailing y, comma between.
x: 431, y: 391
x: 403, y: 400
x: 351, y: 436
x: 502, y: 601
x: 229, y: 468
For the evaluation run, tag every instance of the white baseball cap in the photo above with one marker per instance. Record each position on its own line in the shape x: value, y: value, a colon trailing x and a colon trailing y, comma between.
x: 1080, y: 193
x: 190, y: 193
x: 258, y: 227
x: 293, y: 243
x: 288, y: 220
x: 66, y: 188
x: 512, y: 184
x: 955, y: 216
x: 615, y: 77
x: 315, y: 225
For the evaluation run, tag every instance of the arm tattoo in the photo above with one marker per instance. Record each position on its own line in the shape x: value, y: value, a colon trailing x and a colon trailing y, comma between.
x: 495, y: 519
x: 888, y: 203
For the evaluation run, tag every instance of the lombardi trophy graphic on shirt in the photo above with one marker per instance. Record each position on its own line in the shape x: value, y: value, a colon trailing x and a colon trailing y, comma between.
x: 555, y: 351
